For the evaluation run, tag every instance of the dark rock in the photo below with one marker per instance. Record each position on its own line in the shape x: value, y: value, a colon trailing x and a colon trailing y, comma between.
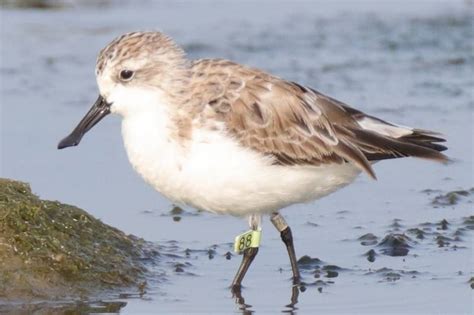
x: 451, y: 198
x: 331, y: 267
x: 332, y: 274
x: 211, y: 253
x: 396, y: 225
x: 395, y: 245
x: 469, y: 222
x: 306, y: 262
x: 176, y: 211
x: 442, y: 240
x: 370, y: 255
x: 392, y: 276
x: 419, y: 234
x: 443, y: 225
x: 368, y: 239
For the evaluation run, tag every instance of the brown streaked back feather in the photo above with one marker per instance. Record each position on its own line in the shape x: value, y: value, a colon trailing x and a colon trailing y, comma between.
x: 298, y: 125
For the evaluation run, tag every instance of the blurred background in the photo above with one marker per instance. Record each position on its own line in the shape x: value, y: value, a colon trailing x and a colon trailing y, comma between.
x: 410, y: 62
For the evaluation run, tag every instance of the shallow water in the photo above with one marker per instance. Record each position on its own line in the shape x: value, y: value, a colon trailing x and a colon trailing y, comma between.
x: 412, y: 65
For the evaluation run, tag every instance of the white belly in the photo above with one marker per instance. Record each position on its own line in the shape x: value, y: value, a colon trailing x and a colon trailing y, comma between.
x: 216, y: 174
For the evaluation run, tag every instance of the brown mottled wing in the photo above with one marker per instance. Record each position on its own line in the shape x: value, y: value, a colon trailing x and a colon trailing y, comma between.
x: 294, y: 124
x: 276, y: 117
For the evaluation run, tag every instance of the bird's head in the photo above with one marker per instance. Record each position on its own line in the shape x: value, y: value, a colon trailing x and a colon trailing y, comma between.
x: 134, y: 73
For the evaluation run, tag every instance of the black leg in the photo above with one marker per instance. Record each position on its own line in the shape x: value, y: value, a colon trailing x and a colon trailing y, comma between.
x: 295, y: 293
x: 249, y: 255
x: 287, y: 238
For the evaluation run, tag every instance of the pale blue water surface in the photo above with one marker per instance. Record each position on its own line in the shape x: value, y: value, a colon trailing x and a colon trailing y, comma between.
x: 410, y: 62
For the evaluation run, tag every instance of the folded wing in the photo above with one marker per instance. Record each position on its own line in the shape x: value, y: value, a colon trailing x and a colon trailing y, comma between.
x: 298, y: 125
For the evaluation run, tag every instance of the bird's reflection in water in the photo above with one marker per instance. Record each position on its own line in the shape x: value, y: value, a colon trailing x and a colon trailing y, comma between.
x: 240, y: 301
x: 289, y: 308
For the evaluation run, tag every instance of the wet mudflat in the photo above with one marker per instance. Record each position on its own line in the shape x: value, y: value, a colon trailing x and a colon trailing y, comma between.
x: 401, y: 244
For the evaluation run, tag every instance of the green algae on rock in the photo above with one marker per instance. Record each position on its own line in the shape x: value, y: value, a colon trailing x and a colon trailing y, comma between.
x: 53, y: 250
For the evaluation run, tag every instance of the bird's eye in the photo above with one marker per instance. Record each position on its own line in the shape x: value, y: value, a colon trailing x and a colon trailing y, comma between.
x: 126, y: 75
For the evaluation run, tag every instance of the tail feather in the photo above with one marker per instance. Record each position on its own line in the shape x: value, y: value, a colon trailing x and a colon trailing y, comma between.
x: 426, y: 139
x: 381, y: 140
x: 379, y: 147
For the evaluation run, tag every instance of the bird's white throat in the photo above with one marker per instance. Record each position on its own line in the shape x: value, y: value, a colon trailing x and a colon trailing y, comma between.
x: 147, y: 130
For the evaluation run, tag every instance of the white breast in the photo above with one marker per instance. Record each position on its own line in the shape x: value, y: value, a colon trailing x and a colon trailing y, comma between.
x: 153, y: 153
x: 213, y: 172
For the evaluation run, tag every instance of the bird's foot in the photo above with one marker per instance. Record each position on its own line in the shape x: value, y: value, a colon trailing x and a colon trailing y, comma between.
x: 236, y: 290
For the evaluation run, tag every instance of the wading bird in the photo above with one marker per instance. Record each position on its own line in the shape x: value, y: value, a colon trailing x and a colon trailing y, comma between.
x: 231, y: 139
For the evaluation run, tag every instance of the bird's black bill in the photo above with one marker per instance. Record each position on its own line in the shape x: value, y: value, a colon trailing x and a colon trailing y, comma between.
x: 99, y: 110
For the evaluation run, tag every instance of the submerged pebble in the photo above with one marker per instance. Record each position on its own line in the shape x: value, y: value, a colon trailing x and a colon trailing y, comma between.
x: 306, y: 262
x: 211, y: 253
x: 443, y: 225
x: 468, y: 222
x: 395, y: 245
x: 177, y: 213
x: 331, y: 267
x: 180, y: 267
x: 368, y: 239
x: 419, y: 234
x: 176, y: 210
x: 442, y: 240
x: 451, y: 198
x: 370, y: 255
x: 396, y: 225
x: 332, y: 274
x: 392, y: 276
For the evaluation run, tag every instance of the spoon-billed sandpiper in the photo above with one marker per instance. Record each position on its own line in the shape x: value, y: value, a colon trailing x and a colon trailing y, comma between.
x: 231, y: 139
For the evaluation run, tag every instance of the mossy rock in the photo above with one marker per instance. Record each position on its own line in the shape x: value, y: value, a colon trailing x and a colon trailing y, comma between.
x: 53, y: 250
